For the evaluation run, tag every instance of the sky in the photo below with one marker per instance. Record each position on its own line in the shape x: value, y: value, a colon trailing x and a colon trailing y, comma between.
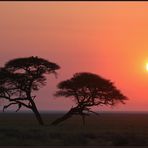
x: 106, y: 38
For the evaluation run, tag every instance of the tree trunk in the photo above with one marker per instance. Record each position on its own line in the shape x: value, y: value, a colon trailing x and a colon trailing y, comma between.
x: 83, y: 120
x: 63, y: 118
x: 36, y: 112
x: 73, y: 111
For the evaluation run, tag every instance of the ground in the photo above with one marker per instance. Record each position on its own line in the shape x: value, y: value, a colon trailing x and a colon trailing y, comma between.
x: 108, y: 129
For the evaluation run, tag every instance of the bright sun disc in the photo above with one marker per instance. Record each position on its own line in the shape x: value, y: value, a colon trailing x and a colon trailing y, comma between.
x: 147, y: 66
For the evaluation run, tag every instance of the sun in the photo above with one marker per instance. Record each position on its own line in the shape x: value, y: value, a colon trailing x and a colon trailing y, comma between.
x: 146, y: 66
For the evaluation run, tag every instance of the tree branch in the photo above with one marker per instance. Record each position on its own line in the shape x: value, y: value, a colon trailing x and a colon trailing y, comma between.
x: 15, y: 99
x: 6, y: 106
x: 19, y: 102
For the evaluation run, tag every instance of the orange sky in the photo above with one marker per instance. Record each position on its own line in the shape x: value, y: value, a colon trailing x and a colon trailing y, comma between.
x: 106, y: 38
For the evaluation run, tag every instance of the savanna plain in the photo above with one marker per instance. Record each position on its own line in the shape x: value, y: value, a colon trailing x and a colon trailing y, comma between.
x: 107, y: 129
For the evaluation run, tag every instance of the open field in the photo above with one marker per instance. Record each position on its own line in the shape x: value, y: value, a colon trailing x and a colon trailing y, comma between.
x: 105, y: 130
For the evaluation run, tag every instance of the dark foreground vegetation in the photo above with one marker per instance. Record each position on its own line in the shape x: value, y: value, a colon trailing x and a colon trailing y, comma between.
x: 108, y: 129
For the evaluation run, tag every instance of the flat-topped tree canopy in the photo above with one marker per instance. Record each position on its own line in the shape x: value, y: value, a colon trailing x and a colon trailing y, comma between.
x: 32, y: 70
x: 31, y: 64
x: 90, y: 89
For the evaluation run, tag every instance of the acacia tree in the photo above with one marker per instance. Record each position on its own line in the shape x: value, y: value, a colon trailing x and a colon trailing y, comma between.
x: 20, y: 77
x: 88, y: 90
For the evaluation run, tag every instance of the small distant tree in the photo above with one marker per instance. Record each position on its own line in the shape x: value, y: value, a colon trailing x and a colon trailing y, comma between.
x: 88, y: 90
x: 20, y: 77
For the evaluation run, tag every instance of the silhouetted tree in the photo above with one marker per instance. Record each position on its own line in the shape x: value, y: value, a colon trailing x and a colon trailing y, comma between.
x: 88, y: 90
x: 20, y: 77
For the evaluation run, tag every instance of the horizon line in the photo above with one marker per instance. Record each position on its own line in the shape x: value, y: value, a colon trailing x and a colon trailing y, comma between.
x: 64, y: 111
